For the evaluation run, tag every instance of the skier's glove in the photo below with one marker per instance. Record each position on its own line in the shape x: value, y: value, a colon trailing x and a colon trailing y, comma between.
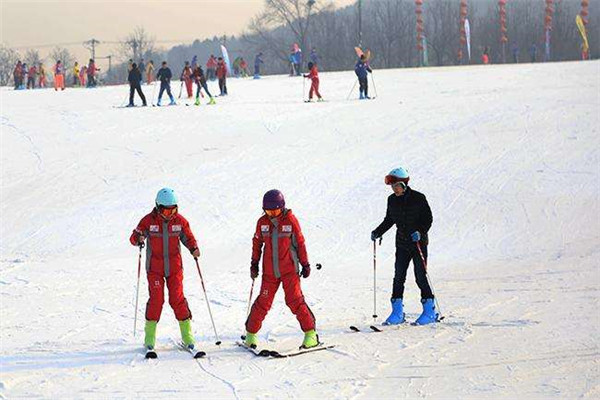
x: 305, y: 271
x: 253, y: 270
x: 195, y: 252
x: 141, y: 239
x: 373, y: 236
x: 415, y: 236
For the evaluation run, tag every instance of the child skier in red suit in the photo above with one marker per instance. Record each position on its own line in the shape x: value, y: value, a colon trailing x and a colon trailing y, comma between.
x: 278, y: 231
x: 313, y: 75
x: 161, y: 231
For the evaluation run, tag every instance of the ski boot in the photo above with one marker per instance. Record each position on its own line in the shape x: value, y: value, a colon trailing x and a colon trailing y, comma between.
x: 150, y: 331
x: 361, y: 97
x: 130, y: 105
x: 397, y: 315
x: 251, y: 340
x: 158, y: 103
x: 187, y: 336
x: 211, y: 101
x: 311, y: 339
x: 172, y: 103
x: 429, y: 315
x: 197, y: 102
x: 320, y: 99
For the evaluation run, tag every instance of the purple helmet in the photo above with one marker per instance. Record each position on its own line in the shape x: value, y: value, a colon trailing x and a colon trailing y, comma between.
x: 273, y: 199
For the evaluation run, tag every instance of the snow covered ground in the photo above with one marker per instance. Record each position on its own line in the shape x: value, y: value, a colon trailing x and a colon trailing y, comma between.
x: 508, y: 155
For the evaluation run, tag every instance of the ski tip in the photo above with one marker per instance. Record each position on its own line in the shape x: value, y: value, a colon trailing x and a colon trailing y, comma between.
x: 354, y: 329
x: 200, y: 354
x: 374, y: 328
x: 218, y: 342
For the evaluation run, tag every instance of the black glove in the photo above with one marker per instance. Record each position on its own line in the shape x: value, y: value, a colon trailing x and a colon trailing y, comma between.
x: 374, y: 236
x: 305, y: 271
x: 253, y: 270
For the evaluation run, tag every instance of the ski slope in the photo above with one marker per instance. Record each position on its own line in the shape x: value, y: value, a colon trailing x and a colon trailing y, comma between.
x: 508, y: 156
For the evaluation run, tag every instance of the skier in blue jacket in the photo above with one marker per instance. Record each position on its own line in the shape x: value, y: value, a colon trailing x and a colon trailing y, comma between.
x: 164, y: 75
x: 362, y: 69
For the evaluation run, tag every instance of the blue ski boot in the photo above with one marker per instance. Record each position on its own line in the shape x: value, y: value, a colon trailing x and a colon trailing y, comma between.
x: 429, y: 315
x: 172, y: 103
x: 361, y: 96
x: 397, y: 315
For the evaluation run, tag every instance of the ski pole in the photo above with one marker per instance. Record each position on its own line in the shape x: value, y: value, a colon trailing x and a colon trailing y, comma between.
x: 303, y: 87
x: 250, y: 299
x: 180, y: 89
x: 137, y: 290
x: 218, y: 342
x: 374, y: 281
x: 351, y: 90
x: 374, y: 87
x: 153, y: 92
x: 437, y: 304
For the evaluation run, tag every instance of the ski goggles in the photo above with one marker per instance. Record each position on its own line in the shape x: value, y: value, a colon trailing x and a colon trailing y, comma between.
x: 274, y: 213
x: 167, y: 211
x: 394, y: 180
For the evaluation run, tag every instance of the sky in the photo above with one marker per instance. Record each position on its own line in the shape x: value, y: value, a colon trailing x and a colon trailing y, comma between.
x: 27, y: 24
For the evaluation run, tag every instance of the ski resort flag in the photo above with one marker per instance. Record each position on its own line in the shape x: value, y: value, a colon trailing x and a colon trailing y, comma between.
x: 226, y: 58
x: 581, y: 27
x: 468, y: 35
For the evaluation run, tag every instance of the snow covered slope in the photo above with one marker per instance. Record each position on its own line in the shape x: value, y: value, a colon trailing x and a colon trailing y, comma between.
x: 508, y: 156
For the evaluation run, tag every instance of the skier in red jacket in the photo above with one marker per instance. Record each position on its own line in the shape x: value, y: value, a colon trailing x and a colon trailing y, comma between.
x: 161, y: 231
x: 279, y: 232
x: 313, y: 75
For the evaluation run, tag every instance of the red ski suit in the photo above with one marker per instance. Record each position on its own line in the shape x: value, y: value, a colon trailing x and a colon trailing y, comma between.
x: 313, y: 75
x: 163, y: 261
x: 284, y: 249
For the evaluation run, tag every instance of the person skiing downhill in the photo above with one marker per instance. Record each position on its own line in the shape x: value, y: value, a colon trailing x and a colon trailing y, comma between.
x: 164, y: 74
x: 362, y: 69
x: 313, y: 75
x: 161, y: 231
x: 278, y: 231
x: 410, y: 212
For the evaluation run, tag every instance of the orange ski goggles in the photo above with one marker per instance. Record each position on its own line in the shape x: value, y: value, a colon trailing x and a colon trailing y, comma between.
x: 167, y: 211
x: 274, y: 213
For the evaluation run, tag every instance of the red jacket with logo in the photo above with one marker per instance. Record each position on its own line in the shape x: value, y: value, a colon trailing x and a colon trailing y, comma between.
x: 284, y: 247
x: 163, y: 237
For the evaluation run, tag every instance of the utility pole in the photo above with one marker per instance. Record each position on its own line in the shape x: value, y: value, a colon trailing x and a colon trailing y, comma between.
x: 91, y: 45
x: 360, y: 23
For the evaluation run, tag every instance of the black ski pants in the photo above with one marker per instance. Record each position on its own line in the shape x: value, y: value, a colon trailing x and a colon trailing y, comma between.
x: 132, y: 90
x: 202, y: 84
x: 223, y: 85
x: 364, y: 85
x: 404, y: 254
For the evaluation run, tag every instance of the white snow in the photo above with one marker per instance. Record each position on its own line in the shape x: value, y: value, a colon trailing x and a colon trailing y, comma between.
x: 508, y: 156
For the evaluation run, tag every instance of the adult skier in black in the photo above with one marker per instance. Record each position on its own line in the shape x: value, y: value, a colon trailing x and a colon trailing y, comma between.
x: 410, y: 212
x: 135, y: 81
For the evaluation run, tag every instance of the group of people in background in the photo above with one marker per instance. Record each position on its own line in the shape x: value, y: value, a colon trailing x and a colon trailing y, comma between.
x: 30, y: 77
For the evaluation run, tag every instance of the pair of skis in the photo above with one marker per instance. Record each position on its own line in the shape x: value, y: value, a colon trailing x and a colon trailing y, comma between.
x: 151, y: 353
x: 278, y: 354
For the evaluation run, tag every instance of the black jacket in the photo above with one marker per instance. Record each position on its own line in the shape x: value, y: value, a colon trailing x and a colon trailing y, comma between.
x: 164, y: 75
x: 409, y: 213
x: 135, y: 77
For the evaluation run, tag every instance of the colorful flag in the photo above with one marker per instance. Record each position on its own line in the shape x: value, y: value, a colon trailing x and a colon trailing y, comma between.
x: 581, y: 27
x: 468, y: 35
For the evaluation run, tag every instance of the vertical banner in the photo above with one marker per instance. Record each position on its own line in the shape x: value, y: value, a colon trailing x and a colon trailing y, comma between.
x: 226, y: 58
x: 548, y: 25
x: 582, y: 20
x: 468, y: 37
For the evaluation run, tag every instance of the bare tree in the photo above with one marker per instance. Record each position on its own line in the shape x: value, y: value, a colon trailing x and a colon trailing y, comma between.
x: 137, y: 45
x: 32, y: 57
x: 8, y: 60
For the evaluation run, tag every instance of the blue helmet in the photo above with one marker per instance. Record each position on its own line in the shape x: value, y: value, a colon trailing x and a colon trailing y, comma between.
x: 397, y: 175
x: 166, y: 197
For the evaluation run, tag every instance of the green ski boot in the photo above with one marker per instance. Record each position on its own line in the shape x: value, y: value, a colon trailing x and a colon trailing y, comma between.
x: 197, y: 102
x: 186, y: 332
x: 211, y: 101
x: 251, y: 340
x: 311, y: 339
x: 150, y: 330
